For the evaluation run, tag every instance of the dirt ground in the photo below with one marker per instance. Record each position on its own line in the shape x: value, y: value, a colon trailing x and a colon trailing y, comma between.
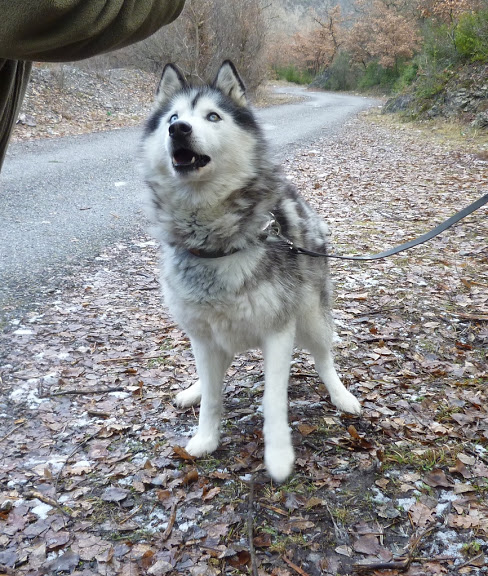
x: 94, y: 479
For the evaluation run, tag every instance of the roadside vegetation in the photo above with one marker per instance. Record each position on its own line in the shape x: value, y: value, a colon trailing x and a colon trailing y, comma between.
x: 385, y: 44
x: 430, y: 56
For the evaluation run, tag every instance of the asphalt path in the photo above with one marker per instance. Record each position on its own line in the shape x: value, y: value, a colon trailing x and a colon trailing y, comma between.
x: 63, y: 200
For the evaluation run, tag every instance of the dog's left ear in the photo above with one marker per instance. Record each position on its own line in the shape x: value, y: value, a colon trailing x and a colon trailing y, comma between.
x: 230, y: 83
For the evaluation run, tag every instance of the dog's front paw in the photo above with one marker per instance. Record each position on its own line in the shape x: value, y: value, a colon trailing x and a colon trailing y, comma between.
x: 279, y: 462
x: 200, y: 445
x: 347, y: 402
x: 189, y: 397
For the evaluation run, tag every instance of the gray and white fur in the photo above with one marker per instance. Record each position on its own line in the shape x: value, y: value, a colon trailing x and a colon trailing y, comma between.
x: 213, y: 186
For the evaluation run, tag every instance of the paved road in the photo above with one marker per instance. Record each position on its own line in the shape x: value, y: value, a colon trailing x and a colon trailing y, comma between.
x: 63, y: 200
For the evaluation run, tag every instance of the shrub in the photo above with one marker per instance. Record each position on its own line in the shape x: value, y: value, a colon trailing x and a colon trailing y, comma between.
x: 436, y: 60
x: 471, y: 36
x: 377, y: 76
x: 293, y: 74
x: 439, y: 46
x: 407, y: 77
x: 341, y: 74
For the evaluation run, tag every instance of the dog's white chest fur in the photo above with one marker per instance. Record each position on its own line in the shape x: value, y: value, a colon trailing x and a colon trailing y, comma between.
x: 221, y: 301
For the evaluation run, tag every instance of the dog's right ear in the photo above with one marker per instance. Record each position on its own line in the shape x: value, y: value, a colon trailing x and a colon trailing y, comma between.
x: 171, y: 81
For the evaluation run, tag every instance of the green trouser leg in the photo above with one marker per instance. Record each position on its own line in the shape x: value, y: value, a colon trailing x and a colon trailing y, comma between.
x: 14, y: 77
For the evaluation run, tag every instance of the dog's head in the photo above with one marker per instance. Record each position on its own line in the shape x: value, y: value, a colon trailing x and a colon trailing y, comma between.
x: 198, y: 133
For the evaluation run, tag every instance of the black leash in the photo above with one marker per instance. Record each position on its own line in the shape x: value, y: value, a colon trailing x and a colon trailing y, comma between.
x: 274, y: 230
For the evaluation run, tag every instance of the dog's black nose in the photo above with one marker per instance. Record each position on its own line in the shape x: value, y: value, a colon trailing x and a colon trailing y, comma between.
x: 179, y: 128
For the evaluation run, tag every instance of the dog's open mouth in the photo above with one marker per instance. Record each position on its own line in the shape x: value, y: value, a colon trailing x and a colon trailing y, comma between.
x: 185, y: 160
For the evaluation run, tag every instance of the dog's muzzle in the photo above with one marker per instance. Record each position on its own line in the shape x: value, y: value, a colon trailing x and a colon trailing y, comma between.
x: 184, y: 158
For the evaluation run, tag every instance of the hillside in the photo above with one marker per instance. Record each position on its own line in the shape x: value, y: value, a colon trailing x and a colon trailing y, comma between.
x: 318, y: 5
x: 64, y: 100
x: 462, y: 96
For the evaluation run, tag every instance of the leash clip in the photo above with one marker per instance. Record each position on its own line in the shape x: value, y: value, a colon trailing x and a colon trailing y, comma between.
x: 272, y: 226
x: 272, y: 229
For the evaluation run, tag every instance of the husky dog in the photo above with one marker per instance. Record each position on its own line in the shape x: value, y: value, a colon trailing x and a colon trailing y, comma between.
x: 229, y: 283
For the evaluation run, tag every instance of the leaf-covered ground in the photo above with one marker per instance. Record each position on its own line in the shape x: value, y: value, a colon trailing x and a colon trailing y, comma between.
x: 63, y: 100
x: 93, y: 476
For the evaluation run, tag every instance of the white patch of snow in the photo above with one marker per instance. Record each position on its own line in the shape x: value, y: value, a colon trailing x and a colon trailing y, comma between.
x: 379, y: 497
x: 27, y: 392
x: 406, y: 503
x: 41, y: 510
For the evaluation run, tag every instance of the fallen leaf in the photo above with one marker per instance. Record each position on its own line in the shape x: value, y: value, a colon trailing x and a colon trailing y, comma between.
x: 313, y: 502
x: 382, y: 482
x: 159, y: 568
x: 190, y: 477
x: 163, y: 495
x: 242, y: 558
x: 306, y: 429
x: 182, y: 453
x: 67, y: 562
x: 353, y: 432
x: 211, y: 494
x: 344, y: 550
x: 147, y: 559
x: 437, y: 478
x: 420, y: 514
x: 367, y: 544
x: 465, y: 459
x: 463, y: 488
x: 55, y: 540
x: 262, y: 541
x: 460, y: 468
x: 114, y: 494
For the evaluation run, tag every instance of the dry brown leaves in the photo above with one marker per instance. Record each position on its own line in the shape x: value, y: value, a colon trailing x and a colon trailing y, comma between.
x: 62, y: 100
x: 96, y: 481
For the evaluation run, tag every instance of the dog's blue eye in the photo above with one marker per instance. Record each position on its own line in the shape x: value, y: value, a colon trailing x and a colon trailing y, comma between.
x: 173, y: 118
x: 213, y: 117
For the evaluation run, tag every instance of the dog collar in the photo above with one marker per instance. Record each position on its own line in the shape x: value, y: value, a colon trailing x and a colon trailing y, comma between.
x: 210, y: 254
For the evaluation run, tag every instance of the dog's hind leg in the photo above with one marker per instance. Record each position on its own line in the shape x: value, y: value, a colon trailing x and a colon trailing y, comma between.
x: 339, y: 395
x: 278, y: 449
x: 316, y: 335
x: 212, y: 363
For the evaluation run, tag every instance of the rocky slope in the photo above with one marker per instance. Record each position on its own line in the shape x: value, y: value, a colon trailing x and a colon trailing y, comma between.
x: 460, y: 94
